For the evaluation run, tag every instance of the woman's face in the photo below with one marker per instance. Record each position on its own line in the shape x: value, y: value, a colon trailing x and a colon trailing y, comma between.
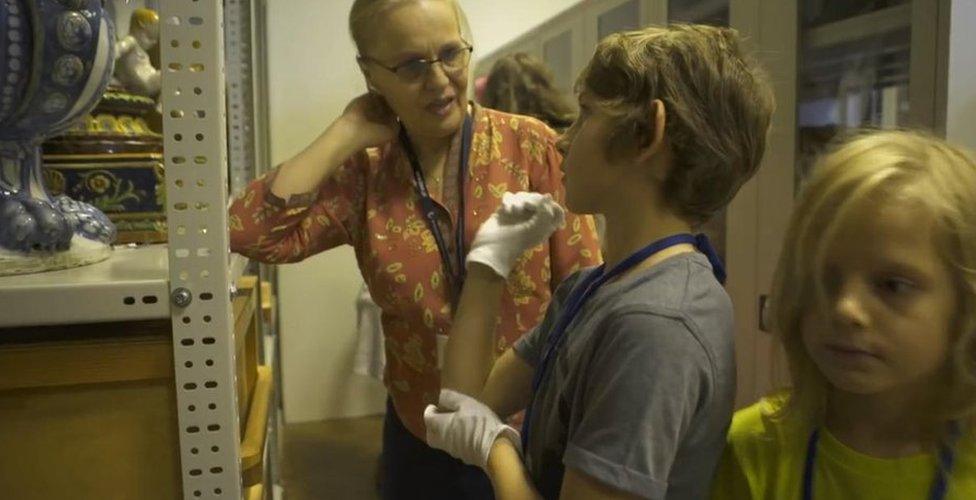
x: 431, y: 104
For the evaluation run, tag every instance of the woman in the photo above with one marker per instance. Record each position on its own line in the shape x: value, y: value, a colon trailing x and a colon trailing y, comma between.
x: 519, y: 83
x: 414, y: 147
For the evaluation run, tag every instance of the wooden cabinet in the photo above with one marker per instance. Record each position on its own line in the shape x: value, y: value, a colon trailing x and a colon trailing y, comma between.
x: 89, y: 411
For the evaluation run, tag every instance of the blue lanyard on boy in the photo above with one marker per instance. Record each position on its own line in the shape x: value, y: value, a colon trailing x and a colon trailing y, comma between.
x: 947, y: 457
x: 592, y: 283
x: 454, y: 271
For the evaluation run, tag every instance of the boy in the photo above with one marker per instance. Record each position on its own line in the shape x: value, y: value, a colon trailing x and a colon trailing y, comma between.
x: 630, y: 378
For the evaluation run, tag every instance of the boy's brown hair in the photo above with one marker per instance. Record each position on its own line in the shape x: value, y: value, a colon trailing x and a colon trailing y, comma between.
x: 717, y: 100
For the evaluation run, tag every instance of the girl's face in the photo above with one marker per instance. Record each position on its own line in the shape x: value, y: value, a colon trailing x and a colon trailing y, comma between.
x: 887, y: 325
x: 430, y: 103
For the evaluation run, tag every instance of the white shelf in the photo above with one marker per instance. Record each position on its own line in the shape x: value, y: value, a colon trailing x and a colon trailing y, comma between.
x: 859, y: 27
x: 132, y: 284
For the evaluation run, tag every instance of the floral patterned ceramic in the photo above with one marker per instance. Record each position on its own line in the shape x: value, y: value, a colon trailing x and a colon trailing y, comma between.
x: 112, y: 159
x: 55, y: 63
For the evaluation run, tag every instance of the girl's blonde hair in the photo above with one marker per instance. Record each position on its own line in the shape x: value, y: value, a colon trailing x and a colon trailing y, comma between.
x: 869, y: 169
x: 364, y: 13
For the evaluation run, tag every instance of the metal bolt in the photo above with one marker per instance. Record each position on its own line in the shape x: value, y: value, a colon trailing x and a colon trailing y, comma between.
x: 181, y: 297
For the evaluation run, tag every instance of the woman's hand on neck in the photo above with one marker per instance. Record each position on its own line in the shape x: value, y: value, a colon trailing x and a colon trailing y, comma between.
x: 885, y: 425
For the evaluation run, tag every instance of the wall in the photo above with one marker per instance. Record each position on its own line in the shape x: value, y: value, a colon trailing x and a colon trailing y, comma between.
x: 312, y: 75
x: 961, y: 91
x: 495, y: 23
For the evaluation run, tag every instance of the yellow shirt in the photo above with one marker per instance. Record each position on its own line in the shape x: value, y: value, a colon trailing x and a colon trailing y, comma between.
x: 764, y: 459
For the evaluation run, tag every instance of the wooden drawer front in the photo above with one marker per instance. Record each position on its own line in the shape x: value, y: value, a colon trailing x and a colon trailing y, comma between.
x: 256, y: 434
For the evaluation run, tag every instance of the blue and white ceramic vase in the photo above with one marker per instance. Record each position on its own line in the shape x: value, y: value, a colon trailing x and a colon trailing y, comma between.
x: 56, y: 59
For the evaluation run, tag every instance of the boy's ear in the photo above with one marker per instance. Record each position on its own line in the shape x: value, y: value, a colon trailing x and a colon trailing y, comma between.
x: 654, y: 142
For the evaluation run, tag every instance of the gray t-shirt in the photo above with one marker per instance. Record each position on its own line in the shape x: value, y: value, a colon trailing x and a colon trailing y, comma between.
x: 640, y: 393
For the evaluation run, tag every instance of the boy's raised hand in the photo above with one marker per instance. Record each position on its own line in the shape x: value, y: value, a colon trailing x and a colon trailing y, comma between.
x: 523, y: 221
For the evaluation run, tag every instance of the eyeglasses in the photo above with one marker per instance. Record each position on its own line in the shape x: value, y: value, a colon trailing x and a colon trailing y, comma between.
x: 452, y: 59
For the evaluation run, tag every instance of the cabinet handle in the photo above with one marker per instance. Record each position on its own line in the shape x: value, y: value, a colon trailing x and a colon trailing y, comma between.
x: 764, y: 313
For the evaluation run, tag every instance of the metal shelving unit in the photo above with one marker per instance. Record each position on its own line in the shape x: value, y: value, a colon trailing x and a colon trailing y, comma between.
x: 860, y: 27
x: 131, y: 285
x: 206, y: 58
x: 194, y: 105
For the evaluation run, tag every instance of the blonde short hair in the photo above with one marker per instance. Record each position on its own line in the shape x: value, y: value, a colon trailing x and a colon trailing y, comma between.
x: 363, y: 15
x: 717, y: 100
x: 867, y: 169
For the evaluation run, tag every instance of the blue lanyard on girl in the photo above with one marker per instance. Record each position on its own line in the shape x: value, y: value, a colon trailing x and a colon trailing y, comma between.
x: 942, y: 472
x: 586, y: 289
x: 453, y: 270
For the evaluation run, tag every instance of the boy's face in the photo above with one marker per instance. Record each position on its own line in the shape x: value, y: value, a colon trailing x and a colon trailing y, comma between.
x: 891, y: 300
x: 589, y: 177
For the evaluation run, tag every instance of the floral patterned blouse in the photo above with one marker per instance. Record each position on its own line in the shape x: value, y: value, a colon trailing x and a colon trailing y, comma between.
x: 371, y: 204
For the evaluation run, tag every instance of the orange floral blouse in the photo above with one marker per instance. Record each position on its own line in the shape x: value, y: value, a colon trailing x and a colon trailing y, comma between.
x: 371, y: 204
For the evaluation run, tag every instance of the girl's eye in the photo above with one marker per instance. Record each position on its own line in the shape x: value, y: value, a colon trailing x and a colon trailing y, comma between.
x: 897, y: 286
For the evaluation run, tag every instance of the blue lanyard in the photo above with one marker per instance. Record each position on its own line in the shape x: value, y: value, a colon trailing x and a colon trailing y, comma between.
x: 939, y: 485
x: 583, y: 291
x: 453, y: 270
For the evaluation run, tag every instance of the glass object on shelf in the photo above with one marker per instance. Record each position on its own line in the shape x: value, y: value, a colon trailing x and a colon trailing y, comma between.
x: 714, y: 13
x: 711, y: 12
x: 853, y: 69
x: 623, y: 17
x: 557, y: 52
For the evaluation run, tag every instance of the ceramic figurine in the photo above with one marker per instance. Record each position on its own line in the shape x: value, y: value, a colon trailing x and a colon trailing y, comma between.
x: 113, y: 159
x: 134, y: 69
x: 55, y: 62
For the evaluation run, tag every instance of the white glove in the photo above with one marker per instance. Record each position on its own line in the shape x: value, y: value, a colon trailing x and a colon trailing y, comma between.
x: 465, y: 428
x: 522, y: 221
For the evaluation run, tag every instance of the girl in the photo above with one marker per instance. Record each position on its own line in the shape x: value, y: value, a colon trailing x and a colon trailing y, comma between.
x: 629, y: 379
x: 874, y: 300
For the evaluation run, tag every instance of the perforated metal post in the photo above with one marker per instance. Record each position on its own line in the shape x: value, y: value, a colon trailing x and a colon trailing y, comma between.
x: 194, y: 125
x: 240, y: 92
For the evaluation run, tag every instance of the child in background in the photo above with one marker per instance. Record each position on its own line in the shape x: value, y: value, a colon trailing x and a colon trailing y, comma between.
x: 522, y: 84
x: 874, y: 300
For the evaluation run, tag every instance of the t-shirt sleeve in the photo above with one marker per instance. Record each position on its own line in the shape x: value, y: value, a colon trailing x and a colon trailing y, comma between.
x: 643, y: 385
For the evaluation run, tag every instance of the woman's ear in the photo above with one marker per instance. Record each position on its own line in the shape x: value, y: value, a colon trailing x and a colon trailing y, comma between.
x: 369, y: 79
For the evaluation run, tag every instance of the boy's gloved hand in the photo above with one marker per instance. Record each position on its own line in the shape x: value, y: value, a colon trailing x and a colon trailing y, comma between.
x: 465, y: 428
x: 523, y: 221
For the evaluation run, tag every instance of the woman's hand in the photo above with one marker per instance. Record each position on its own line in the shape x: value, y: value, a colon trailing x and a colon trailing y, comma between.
x: 523, y: 221
x: 465, y: 428
x: 367, y: 121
